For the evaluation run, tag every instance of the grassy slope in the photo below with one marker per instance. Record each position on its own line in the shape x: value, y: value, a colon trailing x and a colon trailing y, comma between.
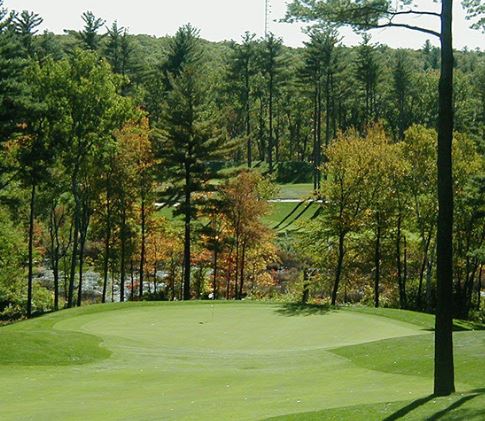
x: 414, y: 355
x: 230, y: 361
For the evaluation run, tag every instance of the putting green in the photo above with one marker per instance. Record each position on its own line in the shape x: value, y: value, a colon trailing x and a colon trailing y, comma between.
x: 227, y: 361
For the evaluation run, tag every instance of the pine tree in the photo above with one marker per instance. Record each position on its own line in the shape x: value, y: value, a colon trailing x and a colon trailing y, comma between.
x: 188, y: 139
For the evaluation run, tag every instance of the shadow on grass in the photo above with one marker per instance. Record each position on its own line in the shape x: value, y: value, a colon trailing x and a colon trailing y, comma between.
x: 471, y: 414
x: 298, y: 309
x: 463, y: 325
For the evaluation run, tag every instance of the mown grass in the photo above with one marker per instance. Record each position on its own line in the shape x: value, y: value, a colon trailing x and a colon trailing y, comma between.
x: 226, y: 360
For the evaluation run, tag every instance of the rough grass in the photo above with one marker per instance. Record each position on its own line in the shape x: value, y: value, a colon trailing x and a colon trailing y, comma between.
x: 242, y: 361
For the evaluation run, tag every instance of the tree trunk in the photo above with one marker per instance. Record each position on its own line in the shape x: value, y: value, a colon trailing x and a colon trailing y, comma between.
x: 377, y: 262
x: 132, y: 278
x: 248, y: 118
x: 123, y: 253
x: 422, y: 270
x: 318, y: 152
x: 338, y: 271
x: 270, y: 112
x: 142, y: 251
x: 405, y: 268
x: 236, y: 270
x: 31, y: 250
x: 75, y: 244
x: 241, y: 277
x: 214, y: 279
x: 479, y: 288
x: 444, y: 374
x: 306, y: 285
x: 82, y: 244
x: 402, y: 294
x: 316, y: 110
x: 187, y: 242
x: 107, y: 241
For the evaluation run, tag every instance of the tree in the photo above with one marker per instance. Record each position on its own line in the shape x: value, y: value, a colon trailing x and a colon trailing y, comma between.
x: 14, y: 89
x: 241, y: 73
x: 401, y: 88
x: 271, y: 66
x: 25, y: 25
x: 92, y: 109
x: 188, y: 137
x: 118, y: 49
x: 133, y: 179
x: 35, y: 154
x: 319, y: 70
x: 367, y: 74
x: 348, y: 168
x: 371, y: 14
x: 244, y: 203
x: 89, y: 37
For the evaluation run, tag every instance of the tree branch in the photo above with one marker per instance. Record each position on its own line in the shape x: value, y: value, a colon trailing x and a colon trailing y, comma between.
x: 404, y: 25
x: 414, y: 12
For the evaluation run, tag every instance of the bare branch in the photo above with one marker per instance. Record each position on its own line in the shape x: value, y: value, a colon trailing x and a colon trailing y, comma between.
x: 403, y: 25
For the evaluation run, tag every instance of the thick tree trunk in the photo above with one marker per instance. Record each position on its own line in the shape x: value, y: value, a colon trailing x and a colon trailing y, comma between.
x: 444, y: 374
x: 31, y: 250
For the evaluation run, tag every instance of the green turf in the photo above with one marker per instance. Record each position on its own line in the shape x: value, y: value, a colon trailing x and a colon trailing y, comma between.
x: 284, y: 216
x: 241, y: 361
x: 294, y: 190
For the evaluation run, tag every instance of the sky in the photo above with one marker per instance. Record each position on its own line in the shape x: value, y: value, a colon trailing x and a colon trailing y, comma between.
x: 226, y: 19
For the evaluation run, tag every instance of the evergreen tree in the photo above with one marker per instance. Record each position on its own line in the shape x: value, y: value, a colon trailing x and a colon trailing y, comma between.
x: 367, y: 74
x: 25, y: 25
x: 188, y: 137
x: 271, y: 65
x: 89, y: 36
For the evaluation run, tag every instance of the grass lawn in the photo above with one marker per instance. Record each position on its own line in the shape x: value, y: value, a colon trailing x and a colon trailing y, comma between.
x: 294, y: 191
x: 229, y: 361
x: 285, y: 216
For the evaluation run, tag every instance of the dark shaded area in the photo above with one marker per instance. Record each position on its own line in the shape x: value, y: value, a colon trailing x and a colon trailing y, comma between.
x: 298, y: 216
x: 317, y: 213
x: 463, y: 326
x: 297, y: 309
x: 289, y: 215
x: 444, y: 413
x: 408, y: 408
x: 439, y: 415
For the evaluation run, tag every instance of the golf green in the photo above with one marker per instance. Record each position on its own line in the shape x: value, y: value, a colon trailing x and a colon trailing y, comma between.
x: 200, y: 361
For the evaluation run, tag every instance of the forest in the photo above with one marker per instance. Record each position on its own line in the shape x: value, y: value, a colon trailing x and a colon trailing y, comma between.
x: 143, y: 168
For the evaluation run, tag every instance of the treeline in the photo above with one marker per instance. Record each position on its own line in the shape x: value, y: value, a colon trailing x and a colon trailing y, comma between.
x: 102, y: 131
x: 375, y: 237
x: 84, y: 163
